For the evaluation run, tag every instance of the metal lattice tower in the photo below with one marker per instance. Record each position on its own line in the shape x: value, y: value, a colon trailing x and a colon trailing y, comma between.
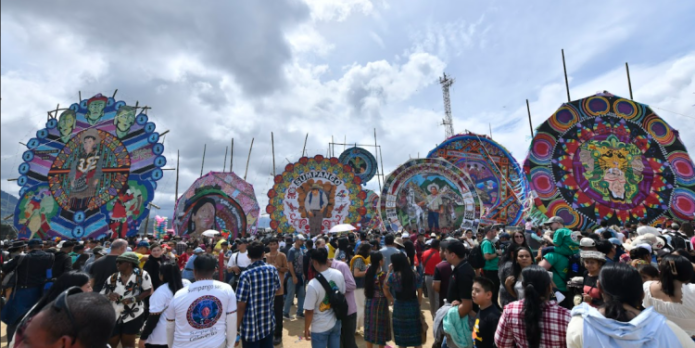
x: 448, y: 121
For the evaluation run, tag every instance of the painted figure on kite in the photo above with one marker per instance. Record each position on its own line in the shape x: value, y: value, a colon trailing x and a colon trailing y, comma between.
x: 125, y: 118
x: 202, y: 217
x: 315, y: 207
x: 612, y: 168
x: 66, y: 124
x: 434, y: 205
x: 95, y: 109
x: 86, y: 170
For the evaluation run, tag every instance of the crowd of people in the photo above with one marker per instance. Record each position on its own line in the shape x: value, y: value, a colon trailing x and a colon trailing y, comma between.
x: 540, y: 286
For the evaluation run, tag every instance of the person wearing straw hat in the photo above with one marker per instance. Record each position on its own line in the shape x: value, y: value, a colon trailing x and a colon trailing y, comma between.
x: 593, y: 261
x: 315, y: 206
x: 127, y: 290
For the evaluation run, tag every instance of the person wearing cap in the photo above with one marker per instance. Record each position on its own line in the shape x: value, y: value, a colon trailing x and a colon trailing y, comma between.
x: 30, y: 275
x: 643, y: 228
x: 63, y: 261
x: 126, y: 289
x: 593, y: 261
x: 586, y: 244
x: 188, y: 269
x: 296, y: 282
x: 239, y: 261
x: 558, y: 260
x: 142, y: 250
x: 315, y: 205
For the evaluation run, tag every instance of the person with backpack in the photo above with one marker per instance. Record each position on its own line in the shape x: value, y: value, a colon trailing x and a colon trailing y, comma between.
x: 563, y: 261
x: 323, y: 307
x: 126, y: 290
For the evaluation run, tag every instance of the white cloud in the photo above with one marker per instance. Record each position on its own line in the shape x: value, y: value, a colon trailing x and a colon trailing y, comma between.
x: 376, y: 38
x: 338, y: 10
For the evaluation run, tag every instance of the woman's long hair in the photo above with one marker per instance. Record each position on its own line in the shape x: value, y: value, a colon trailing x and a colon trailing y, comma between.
x: 620, y: 284
x: 536, y: 292
x: 199, y: 204
x: 515, y: 255
x: 375, y: 257
x: 364, y: 249
x: 401, y: 265
x: 672, y: 268
x: 508, y: 254
x: 171, y: 275
x: 344, y: 245
x: 410, y: 251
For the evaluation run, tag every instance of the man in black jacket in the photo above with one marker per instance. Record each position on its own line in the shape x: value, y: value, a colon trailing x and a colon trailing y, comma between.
x: 30, y: 271
x: 63, y: 260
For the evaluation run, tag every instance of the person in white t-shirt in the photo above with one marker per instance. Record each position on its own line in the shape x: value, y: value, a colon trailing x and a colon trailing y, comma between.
x: 238, y: 262
x: 202, y: 315
x: 155, y: 332
x: 320, y: 324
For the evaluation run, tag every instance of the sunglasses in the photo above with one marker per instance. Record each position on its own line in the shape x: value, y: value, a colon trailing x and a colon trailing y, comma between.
x: 61, y: 305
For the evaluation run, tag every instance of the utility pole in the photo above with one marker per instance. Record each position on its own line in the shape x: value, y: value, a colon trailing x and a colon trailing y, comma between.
x: 448, y: 121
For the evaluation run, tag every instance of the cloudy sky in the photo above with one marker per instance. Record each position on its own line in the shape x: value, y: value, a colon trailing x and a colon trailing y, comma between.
x: 217, y: 70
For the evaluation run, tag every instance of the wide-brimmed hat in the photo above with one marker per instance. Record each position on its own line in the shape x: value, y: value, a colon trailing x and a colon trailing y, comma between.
x: 17, y: 245
x: 129, y: 257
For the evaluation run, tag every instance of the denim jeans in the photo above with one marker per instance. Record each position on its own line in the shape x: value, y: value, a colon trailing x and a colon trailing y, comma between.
x: 327, y: 339
x: 293, y: 289
x: 266, y: 342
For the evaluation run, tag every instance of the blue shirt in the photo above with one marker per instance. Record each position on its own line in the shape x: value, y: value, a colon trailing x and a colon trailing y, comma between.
x: 188, y: 269
x: 257, y: 287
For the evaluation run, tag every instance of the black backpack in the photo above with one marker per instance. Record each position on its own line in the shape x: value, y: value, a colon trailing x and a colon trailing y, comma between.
x: 476, y: 258
x: 575, y: 267
x: 336, y: 298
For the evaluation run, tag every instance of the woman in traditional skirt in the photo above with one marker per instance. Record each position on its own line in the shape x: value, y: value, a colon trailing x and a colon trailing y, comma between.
x: 377, y: 324
x: 407, y: 286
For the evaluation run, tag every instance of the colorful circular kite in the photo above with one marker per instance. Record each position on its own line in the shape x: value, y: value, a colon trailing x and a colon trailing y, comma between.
x: 362, y: 162
x: 429, y: 194
x: 497, y: 176
x: 609, y: 158
x: 220, y: 201
x: 92, y: 170
x: 371, y: 220
x: 315, y: 194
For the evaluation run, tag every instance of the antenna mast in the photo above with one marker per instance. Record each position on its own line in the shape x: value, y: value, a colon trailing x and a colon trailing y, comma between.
x: 448, y: 121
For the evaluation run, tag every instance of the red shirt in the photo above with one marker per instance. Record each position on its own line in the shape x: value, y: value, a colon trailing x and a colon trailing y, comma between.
x: 430, y: 262
x: 182, y: 260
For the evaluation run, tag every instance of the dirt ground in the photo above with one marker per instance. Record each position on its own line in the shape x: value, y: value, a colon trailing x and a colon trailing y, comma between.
x: 294, y: 332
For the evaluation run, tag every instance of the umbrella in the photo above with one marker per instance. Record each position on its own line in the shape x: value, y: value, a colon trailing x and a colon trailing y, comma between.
x: 210, y: 233
x: 342, y: 228
x: 217, y: 201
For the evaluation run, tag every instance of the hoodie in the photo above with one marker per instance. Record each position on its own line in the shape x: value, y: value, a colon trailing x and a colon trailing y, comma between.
x: 648, y: 329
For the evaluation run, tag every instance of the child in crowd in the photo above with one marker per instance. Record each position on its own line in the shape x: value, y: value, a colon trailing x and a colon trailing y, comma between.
x: 487, y: 317
x: 648, y: 273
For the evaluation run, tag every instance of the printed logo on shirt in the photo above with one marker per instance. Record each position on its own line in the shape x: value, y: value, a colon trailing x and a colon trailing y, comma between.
x: 204, y: 312
x: 326, y: 303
